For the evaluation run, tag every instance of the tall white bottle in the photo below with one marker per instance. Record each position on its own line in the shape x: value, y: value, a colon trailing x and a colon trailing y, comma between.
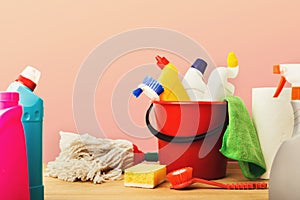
x: 194, y: 84
x: 218, y: 84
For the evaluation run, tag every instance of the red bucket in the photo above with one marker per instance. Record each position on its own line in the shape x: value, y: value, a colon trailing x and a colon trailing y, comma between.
x: 190, y: 135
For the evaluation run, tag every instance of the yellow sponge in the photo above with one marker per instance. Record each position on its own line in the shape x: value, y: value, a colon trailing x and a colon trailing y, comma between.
x: 145, y: 175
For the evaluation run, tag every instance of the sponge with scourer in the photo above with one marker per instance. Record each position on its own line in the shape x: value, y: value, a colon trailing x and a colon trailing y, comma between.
x: 145, y: 175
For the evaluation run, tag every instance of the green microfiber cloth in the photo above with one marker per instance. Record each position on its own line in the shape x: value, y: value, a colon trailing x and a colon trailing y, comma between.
x: 240, y: 140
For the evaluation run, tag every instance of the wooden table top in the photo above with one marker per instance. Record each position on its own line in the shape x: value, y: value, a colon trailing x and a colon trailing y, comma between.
x: 60, y: 190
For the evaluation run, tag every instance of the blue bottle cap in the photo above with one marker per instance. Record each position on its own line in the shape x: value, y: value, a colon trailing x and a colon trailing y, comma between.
x: 200, y: 65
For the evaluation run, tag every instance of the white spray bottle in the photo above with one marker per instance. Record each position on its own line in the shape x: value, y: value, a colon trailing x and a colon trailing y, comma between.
x: 194, y: 84
x: 218, y: 84
x: 285, y: 167
x: 290, y: 73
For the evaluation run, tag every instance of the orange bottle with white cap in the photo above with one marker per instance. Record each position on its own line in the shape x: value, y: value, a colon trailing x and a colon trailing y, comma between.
x: 290, y: 73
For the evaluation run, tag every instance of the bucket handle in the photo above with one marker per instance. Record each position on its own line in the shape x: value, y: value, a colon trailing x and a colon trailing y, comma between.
x: 173, y: 139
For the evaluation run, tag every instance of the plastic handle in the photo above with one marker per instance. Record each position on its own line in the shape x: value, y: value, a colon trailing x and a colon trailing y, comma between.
x: 208, y: 182
x: 233, y: 186
x: 173, y: 139
x: 280, y: 86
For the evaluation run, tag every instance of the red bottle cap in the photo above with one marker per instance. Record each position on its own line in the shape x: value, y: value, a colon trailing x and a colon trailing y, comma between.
x: 29, y: 77
x: 27, y: 82
x: 161, y: 61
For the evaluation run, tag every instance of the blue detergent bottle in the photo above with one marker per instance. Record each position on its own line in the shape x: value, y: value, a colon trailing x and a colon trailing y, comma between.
x: 32, y: 120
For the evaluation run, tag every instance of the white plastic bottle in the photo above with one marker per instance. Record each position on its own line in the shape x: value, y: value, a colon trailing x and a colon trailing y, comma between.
x: 285, y: 167
x: 218, y: 84
x: 194, y: 84
x: 290, y: 73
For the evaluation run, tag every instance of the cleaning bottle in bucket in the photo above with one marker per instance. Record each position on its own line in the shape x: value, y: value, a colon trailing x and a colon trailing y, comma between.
x: 13, y: 159
x: 193, y: 82
x: 217, y: 81
x: 290, y: 73
x: 150, y: 87
x: 169, y: 78
x: 32, y: 120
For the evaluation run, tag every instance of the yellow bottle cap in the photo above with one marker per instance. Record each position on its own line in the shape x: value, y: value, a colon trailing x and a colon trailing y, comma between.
x: 232, y: 60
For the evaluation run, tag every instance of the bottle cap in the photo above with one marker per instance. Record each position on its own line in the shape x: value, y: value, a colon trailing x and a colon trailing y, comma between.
x: 9, y: 96
x: 200, y: 65
x: 8, y: 99
x: 232, y: 60
x: 29, y: 77
x: 32, y: 74
x: 161, y: 61
x: 295, y: 93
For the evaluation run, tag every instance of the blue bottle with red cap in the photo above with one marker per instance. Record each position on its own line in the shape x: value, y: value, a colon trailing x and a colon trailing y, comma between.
x: 32, y: 120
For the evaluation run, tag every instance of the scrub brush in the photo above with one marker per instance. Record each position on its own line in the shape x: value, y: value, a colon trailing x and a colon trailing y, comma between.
x: 182, y: 178
x: 150, y: 87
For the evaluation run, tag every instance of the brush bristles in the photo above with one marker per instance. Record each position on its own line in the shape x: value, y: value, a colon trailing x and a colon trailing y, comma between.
x: 180, y: 176
x: 153, y: 84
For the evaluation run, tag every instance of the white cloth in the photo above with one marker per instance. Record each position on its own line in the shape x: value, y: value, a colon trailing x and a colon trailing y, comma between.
x: 87, y: 158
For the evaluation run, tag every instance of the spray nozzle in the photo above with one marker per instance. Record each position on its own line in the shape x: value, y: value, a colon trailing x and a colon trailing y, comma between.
x: 277, y: 70
x: 161, y: 61
x: 289, y: 73
x: 279, y: 87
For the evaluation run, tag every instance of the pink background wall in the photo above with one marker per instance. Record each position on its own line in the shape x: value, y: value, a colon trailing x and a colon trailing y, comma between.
x: 57, y: 36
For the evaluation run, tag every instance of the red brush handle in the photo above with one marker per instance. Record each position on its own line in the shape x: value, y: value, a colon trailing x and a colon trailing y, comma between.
x: 200, y: 180
x: 234, y: 186
x: 253, y: 185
